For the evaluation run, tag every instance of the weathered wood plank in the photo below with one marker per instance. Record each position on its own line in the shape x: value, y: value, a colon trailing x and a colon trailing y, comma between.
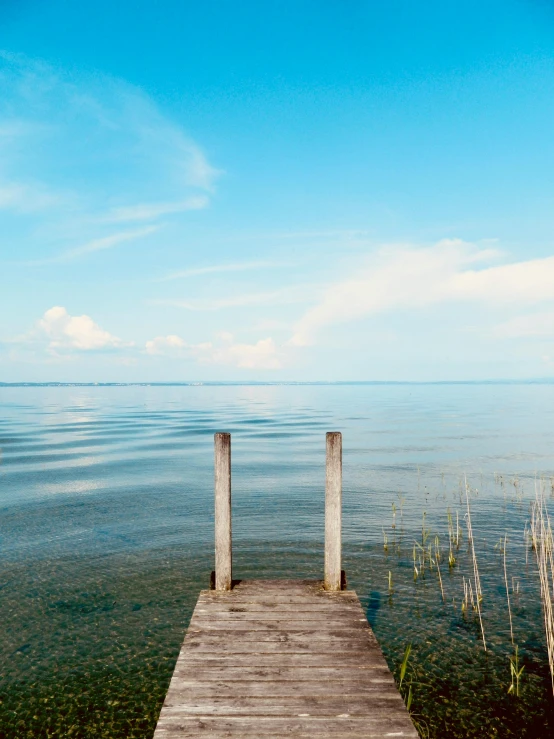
x: 366, y: 727
x: 249, y: 670
x: 216, y: 671
x: 302, y: 609
x: 273, y: 645
x: 286, y: 625
x: 178, y: 704
x: 298, y: 634
x: 196, y: 689
x: 310, y: 660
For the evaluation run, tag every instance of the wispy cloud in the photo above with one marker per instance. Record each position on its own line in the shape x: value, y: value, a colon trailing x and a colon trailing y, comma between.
x: 199, y: 172
x: 149, y: 211
x: 217, y: 268
x: 26, y: 198
x: 101, y: 244
x: 287, y: 295
x: 84, y: 151
x: 404, y: 277
x: 108, y: 242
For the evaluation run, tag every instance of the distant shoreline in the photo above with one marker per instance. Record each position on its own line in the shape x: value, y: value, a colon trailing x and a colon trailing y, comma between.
x: 276, y: 383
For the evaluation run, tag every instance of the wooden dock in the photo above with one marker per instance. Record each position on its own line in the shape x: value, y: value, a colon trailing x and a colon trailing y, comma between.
x: 280, y: 658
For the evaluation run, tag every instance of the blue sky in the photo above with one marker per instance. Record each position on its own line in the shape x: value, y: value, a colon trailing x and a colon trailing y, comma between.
x: 279, y: 190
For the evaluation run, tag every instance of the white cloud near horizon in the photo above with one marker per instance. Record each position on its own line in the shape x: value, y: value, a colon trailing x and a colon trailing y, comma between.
x: 261, y: 355
x: 64, y: 332
x: 405, y: 277
x: 59, y: 336
x: 164, y: 345
x: 529, y: 326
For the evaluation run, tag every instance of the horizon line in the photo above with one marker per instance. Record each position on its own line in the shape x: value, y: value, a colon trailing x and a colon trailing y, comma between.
x: 246, y: 383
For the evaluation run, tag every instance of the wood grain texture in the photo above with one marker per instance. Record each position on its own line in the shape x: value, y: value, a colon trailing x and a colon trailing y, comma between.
x: 223, y: 537
x: 281, y: 658
x: 333, y: 511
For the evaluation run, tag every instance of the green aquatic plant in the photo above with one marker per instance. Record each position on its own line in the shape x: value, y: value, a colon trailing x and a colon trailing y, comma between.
x: 407, y: 695
x: 454, y: 536
x: 516, y: 672
x: 500, y: 545
x: 425, y: 532
x: 404, y: 664
x: 452, y: 539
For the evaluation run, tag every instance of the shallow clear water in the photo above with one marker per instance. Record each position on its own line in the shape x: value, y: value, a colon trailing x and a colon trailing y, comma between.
x: 106, y: 537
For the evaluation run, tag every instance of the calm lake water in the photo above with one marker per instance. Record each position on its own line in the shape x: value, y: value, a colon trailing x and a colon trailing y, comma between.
x: 106, y: 537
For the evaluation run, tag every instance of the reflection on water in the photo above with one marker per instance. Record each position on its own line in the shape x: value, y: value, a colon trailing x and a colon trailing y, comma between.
x: 106, y: 527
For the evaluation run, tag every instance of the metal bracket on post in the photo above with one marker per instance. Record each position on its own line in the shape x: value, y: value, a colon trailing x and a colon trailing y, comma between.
x: 223, y: 541
x: 333, y: 577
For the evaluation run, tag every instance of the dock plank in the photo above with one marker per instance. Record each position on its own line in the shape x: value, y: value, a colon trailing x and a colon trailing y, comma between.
x: 281, y: 658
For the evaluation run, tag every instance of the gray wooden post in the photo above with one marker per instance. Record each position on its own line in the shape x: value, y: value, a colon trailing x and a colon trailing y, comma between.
x: 333, y: 511
x: 223, y: 544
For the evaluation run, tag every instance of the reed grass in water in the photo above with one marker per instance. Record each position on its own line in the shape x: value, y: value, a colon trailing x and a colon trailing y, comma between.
x: 543, y: 545
x: 476, y: 578
x: 450, y: 656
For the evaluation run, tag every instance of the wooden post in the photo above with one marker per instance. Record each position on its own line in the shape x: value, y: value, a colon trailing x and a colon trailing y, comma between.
x: 333, y: 511
x: 223, y: 545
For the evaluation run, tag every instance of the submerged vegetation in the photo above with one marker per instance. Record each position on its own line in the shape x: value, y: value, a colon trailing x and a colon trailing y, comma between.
x: 477, y: 646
